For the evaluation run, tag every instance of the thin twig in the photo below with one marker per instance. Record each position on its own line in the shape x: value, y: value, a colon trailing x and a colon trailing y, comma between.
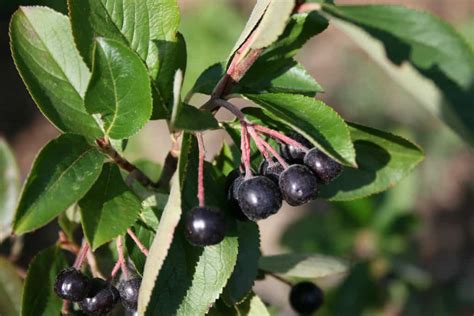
x: 260, y: 142
x: 121, y: 257
x: 279, y: 136
x: 245, y: 149
x: 137, y: 241
x: 202, y: 155
x: 279, y: 278
x: 81, y: 255
x: 106, y: 147
x: 94, y: 266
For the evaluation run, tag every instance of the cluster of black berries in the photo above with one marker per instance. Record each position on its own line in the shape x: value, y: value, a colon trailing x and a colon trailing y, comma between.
x: 96, y: 296
x: 260, y: 196
x: 306, y: 298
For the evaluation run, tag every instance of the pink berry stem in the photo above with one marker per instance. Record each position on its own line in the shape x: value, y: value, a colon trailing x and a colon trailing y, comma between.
x: 116, y: 269
x: 279, y: 136
x: 245, y: 148
x: 202, y: 154
x: 260, y: 144
x: 81, y: 256
x: 121, y: 257
x: 258, y: 140
x: 137, y: 241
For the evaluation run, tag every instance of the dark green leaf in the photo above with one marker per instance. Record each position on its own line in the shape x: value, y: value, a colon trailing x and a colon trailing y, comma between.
x: 190, y: 118
x: 63, y: 172
x: 10, y: 289
x: 252, y: 306
x: 9, y: 188
x: 52, y: 69
x: 38, y: 293
x: 383, y: 159
x: 303, y: 266
x: 149, y: 27
x: 119, y: 91
x: 313, y: 119
x: 192, y: 278
x: 431, y: 46
x: 146, y: 236
x: 246, y: 268
x: 109, y: 208
x: 228, y: 159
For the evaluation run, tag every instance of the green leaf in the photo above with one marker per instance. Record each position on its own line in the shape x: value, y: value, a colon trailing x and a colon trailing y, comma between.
x: 313, y: 119
x: 38, y: 293
x: 189, y: 119
x: 432, y: 47
x: 149, y: 27
x: 109, y: 208
x: 273, y: 23
x: 10, y: 289
x: 146, y: 236
x: 9, y: 188
x: 192, y: 278
x: 383, y: 159
x: 52, y: 69
x: 228, y: 159
x: 70, y: 220
x: 246, y: 268
x: 303, y: 266
x: 252, y: 306
x: 64, y: 170
x: 119, y: 91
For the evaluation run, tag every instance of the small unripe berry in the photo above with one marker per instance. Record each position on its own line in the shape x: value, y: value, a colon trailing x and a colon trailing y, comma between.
x: 298, y: 185
x: 101, y: 298
x: 294, y: 154
x: 306, y: 298
x: 204, y: 226
x: 259, y: 197
x: 325, y: 168
x: 129, y: 293
x: 71, y: 285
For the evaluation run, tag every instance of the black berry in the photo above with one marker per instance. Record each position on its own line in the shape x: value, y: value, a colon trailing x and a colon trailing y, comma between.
x: 271, y: 170
x: 101, y: 298
x: 204, y: 226
x: 325, y: 168
x: 259, y: 197
x: 233, y: 181
x: 298, y: 185
x: 306, y: 298
x: 294, y: 154
x: 129, y: 293
x: 71, y: 285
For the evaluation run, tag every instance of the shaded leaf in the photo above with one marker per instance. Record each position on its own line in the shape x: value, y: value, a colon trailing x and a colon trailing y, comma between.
x: 246, y: 268
x: 70, y: 220
x: 109, y: 208
x: 9, y: 188
x: 305, y: 266
x: 383, y: 159
x: 38, y: 293
x: 252, y: 306
x: 146, y: 236
x: 313, y: 119
x: 64, y: 170
x: 191, y: 119
x: 10, y: 289
x: 119, y: 90
x: 228, y: 159
x: 52, y: 69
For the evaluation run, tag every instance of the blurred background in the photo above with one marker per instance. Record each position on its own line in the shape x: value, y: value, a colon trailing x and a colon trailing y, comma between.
x: 413, y: 245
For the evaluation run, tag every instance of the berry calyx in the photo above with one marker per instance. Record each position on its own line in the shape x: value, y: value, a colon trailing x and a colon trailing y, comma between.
x: 294, y: 154
x: 233, y: 181
x: 101, y: 298
x: 298, y: 185
x: 306, y: 297
x: 271, y: 170
x: 129, y: 293
x: 325, y: 168
x: 259, y: 197
x: 71, y: 284
x: 205, y: 226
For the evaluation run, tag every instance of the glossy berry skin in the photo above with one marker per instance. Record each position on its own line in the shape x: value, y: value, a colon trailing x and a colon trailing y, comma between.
x: 325, y: 168
x: 271, y: 171
x: 294, y: 154
x: 128, y: 290
x: 259, y: 197
x: 306, y: 298
x: 233, y: 181
x: 204, y: 226
x: 298, y: 185
x: 71, y: 285
x: 101, y: 298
